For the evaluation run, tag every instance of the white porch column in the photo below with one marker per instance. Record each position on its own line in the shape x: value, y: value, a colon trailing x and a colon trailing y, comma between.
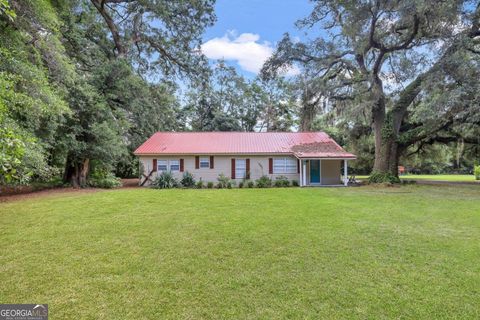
x: 304, y: 173
x: 300, y: 176
x: 345, y: 172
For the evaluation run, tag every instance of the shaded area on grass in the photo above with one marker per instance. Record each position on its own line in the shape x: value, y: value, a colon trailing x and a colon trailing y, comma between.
x: 438, y: 177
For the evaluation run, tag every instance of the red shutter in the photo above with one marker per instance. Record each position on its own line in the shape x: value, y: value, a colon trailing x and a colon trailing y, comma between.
x: 197, y: 162
x: 154, y: 165
x: 270, y: 165
x: 247, y: 168
x: 211, y: 162
x: 181, y: 165
x: 298, y: 165
x: 233, y: 168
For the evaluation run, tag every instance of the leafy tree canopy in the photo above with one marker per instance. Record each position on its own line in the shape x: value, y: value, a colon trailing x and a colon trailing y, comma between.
x: 406, y: 66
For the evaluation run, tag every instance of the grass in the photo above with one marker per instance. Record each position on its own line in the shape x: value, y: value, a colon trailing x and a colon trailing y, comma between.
x: 436, y: 177
x: 441, y: 177
x: 409, y: 252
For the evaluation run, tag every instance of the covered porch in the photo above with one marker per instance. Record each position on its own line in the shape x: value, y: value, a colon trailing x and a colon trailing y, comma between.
x: 323, y: 172
x: 322, y: 163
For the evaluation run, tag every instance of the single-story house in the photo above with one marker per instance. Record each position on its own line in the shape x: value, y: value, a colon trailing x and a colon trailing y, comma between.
x: 311, y: 158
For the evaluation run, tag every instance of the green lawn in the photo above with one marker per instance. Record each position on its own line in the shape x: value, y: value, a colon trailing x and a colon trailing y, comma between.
x: 409, y: 252
x: 437, y: 177
x: 441, y: 177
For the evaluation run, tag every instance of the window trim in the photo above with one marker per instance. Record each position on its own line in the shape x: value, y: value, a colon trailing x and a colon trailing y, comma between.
x: 200, y: 162
x: 158, y: 165
x: 285, y: 166
x: 237, y: 175
x: 168, y: 165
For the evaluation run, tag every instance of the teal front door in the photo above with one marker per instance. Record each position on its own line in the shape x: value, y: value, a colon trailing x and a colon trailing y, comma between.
x: 314, y: 171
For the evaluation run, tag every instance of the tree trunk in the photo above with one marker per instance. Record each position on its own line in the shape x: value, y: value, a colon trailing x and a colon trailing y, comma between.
x: 386, y: 149
x: 76, y: 171
x: 84, y: 168
x: 308, y: 110
x: 460, y: 149
x: 307, y: 116
x: 386, y: 128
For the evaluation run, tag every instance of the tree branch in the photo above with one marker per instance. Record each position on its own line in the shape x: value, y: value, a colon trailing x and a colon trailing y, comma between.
x: 167, y: 55
x: 409, y: 40
x: 121, y: 50
x: 118, y: 1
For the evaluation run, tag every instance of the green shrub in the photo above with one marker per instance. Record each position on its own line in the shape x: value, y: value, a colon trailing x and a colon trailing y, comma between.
x: 250, y: 184
x: 188, y: 181
x: 476, y: 172
x: 381, y: 177
x: 199, y: 184
x: 104, y: 180
x: 52, y: 183
x: 264, y: 182
x: 295, y: 183
x: 223, y: 182
x: 210, y: 185
x: 281, y: 182
x: 165, y: 180
x: 244, y: 183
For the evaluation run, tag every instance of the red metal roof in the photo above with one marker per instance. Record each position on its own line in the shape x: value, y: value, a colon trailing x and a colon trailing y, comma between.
x: 300, y: 144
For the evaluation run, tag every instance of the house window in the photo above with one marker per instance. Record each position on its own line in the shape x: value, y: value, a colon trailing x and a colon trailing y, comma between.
x: 165, y: 165
x: 290, y: 165
x: 162, y: 165
x: 240, y: 168
x: 284, y: 165
x: 174, y: 165
x: 205, y: 162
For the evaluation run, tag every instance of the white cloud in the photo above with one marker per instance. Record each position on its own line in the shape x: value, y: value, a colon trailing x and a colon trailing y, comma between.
x: 245, y: 49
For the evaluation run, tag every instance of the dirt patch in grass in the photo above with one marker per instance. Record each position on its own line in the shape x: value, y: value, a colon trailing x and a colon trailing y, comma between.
x: 45, y: 193
x: 28, y: 192
x: 130, y: 183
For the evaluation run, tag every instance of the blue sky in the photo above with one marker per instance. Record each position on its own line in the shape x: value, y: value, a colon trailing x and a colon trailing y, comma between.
x: 247, y: 31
